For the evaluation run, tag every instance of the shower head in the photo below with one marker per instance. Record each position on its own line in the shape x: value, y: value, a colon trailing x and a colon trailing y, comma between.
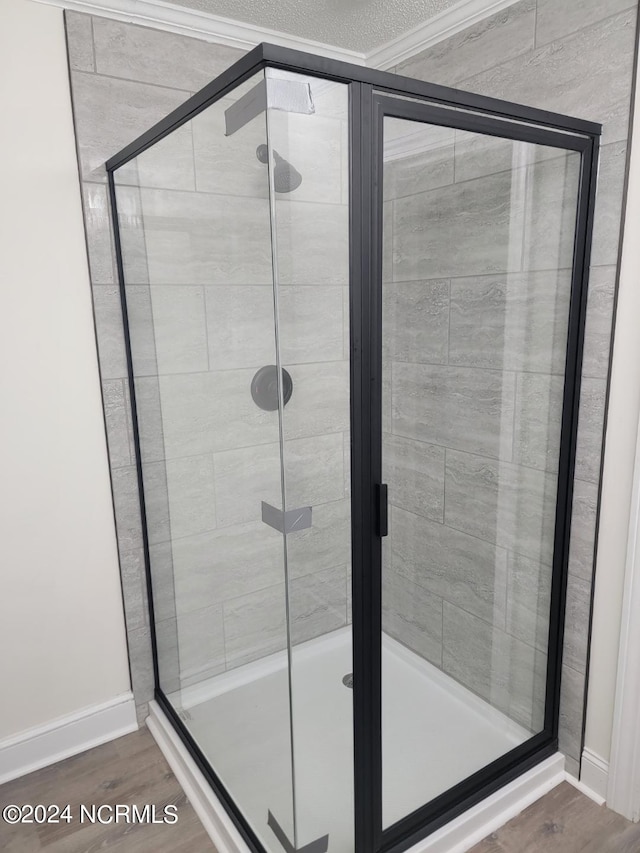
x: 286, y: 177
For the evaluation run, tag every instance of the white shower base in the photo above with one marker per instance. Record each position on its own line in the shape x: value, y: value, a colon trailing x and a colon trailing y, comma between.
x: 435, y: 734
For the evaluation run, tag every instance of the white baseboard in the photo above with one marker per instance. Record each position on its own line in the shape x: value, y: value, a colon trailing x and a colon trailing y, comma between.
x: 39, y: 747
x: 594, y: 776
x: 457, y: 836
x: 215, y: 820
x: 472, y: 826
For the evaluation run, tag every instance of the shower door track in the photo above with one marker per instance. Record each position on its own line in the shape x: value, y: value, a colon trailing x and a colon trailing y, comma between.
x: 372, y: 97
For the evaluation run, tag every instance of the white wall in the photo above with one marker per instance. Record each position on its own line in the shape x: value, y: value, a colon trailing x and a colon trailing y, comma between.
x: 624, y: 408
x: 62, y: 639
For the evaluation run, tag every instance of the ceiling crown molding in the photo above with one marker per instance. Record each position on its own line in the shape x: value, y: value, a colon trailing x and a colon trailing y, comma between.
x: 162, y: 15
x: 443, y: 25
x: 190, y: 22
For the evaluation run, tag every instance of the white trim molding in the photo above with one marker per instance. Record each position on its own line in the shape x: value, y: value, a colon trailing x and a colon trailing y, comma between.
x: 161, y: 15
x: 457, y: 836
x: 623, y: 794
x: 594, y: 776
x: 453, y: 20
x: 39, y: 747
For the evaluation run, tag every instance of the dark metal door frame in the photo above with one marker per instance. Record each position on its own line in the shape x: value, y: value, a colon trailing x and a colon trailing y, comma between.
x: 369, y: 108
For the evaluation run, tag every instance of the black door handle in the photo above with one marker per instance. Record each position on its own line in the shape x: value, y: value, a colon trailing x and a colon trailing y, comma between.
x: 382, y: 509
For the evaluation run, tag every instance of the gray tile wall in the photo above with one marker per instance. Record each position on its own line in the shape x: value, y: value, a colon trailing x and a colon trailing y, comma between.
x: 569, y: 55
x: 202, y: 315
x: 576, y: 57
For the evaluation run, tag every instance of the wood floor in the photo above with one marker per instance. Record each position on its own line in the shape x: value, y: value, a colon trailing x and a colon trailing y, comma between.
x: 131, y: 770
x: 128, y: 770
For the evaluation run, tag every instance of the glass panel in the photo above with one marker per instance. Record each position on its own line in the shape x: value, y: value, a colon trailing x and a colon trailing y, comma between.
x: 478, y: 245
x: 308, y: 151
x: 195, y: 229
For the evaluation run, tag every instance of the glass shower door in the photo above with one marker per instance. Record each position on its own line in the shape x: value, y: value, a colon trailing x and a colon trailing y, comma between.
x: 196, y: 250
x: 478, y: 235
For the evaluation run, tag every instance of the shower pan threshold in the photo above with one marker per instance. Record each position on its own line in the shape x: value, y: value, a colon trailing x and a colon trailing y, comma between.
x: 454, y: 735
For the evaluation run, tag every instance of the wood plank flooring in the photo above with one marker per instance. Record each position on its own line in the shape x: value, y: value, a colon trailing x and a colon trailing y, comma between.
x: 128, y: 770
x: 132, y: 770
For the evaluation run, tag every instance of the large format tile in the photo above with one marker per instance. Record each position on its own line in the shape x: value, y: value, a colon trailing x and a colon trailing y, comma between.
x: 180, y: 330
x: 312, y: 242
x: 134, y: 592
x: 156, y: 501
x: 150, y: 423
x: 168, y: 653
x: 586, y: 74
x: 417, y: 157
x: 477, y: 154
x: 412, y: 615
x: 255, y: 625
x: 551, y: 198
x: 142, y: 333
x: 141, y: 665
x: 133, y: 236
x: 512, y: 322
x: 528, y: 600
x: 202, y: 238
x: 327, y: 543
x: 555, y: 20
x: 606, y: 223
x: 499, y: 502
x: 97, y: 224
x: 115, y: 413
x: 507, y: 673
x: 167, y: 165
x: 576, y: 623
x: 461, y: 229
x: 572, y: 697
x: 126, y: 502
x: 320, y: 401
x: 415, y: 321
x: 590, y: 423
x: 190, y: 486
x: 151, y: 56
x: 450, y: 564
x: 313, y: 145
x: 110, y: 114
x: 414, y: 472
x: 79, y: 41
x: 500, y: 37
x: 310, y: 321
x: 228, y: 164
x: 241, y: 327
x: 583, y: 529
x: 109, y: 331
x: 204, y: 412
x: 597, y: 333
x: 246, y: 477
x: 201, y: 644
x: 317, y: 604
x: 214, y: 567
x: 162, y: 587
x: 538, y: 422
x: 464, y: 408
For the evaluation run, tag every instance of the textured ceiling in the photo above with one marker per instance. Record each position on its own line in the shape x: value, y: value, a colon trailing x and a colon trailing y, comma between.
x: 359, y: 25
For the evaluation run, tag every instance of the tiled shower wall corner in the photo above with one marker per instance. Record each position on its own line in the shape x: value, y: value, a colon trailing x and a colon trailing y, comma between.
x: 124, y: 79
x: 473, y: 362
x: 558, y: 54
x: 574, y: 57
x: 196, y: 249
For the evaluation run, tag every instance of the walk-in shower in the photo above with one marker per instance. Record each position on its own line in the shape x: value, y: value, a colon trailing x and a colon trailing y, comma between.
x: 354, y: 306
